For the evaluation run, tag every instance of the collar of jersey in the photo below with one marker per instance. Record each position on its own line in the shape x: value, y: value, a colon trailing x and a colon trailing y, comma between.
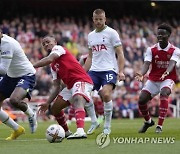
x: 101, y: 29
x: 165, y: 49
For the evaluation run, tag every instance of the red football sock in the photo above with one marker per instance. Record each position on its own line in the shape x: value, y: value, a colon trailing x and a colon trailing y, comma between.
x: 60, y: 118
x: 99, y: 107
x: 144, y: 111
x: 71, y: 112
x: 80, y: 116
x: 162, y: 109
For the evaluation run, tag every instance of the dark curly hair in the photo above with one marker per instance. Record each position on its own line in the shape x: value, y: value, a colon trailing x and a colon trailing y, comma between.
x: 166, y: 27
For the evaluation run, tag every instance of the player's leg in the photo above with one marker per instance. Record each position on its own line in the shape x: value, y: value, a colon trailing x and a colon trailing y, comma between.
x: 5, y: 88
x: 17, y: 100
x: 108, y: 82
x: 4, y: 117
x: 18, y: 130
x: 95, y: 123
x: 106, y: 93
x: 89, y: 106
x: 81, y: 94
x: 71, y: 114
x: 58, y: 112
x: 149, y: 90
x: 144, y: 98
x: 99, y: 107
x: 22, y: 89
x: 79, y: 102
x: 166, y: 87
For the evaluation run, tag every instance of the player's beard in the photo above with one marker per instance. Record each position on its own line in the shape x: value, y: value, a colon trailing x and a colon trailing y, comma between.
x: 99, y: 26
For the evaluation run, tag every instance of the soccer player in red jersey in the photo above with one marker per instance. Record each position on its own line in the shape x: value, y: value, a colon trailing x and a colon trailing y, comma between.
x: 89, y: 107
x: 65, y: 67
x: 162, y: 57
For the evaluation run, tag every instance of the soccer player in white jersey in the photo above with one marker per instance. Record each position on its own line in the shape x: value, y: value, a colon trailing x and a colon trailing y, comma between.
x: 17, y: 83
x: 163, y: 57
x: 103, y: 66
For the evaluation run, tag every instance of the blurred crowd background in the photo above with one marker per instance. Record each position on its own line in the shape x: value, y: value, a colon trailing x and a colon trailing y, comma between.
x: 29, y: 23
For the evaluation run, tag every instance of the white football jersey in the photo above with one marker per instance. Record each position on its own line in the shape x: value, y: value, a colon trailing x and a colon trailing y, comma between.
x: 20, y: 65
x: 103, y: 45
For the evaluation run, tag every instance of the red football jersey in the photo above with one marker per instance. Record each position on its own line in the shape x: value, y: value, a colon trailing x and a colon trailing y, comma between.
x: 160, y: 62
x: 69, y: 70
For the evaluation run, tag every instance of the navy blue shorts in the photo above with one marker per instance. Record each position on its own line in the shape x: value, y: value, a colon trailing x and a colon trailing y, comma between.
x: 103, y: 78
x: 8, y: 84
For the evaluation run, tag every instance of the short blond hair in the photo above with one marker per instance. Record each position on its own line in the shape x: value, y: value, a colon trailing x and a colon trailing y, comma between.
x: 99, y: 11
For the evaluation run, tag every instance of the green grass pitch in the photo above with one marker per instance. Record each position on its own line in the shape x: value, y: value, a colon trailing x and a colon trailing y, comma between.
x: 37, y: 144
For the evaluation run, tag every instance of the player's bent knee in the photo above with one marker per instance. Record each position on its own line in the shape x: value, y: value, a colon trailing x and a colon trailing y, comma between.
x: 55, y: 111
x: 79, y: 101
x: 165, y: 92
x: 14, y: 102
x: 106, y: 97
x: 142, y: 100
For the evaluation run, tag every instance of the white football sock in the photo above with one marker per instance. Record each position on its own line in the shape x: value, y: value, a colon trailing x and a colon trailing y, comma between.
x: 80, y: 130
x: 29, y: 112
x: 108, y: 108
x: 149, y: 121
x: 159, y: 126
x: 89, y: 106
x: 7, y: 120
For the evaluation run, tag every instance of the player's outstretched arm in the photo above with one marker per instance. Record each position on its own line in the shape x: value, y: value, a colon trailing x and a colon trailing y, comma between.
x: 46, y: 61
x: 145, y: 68
x: 172, y: 64
x: 54, y: 92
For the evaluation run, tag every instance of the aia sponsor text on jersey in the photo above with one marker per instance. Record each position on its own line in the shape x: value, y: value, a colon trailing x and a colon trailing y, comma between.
x: 99, y: 47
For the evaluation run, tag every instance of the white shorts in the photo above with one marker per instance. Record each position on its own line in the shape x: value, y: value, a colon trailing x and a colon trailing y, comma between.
x: 154, y: 88
x: 79, y: 88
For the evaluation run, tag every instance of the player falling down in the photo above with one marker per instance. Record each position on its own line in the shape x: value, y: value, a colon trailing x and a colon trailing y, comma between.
x: 65, y: 67
x: 17, y: 83
x: 163, y: 57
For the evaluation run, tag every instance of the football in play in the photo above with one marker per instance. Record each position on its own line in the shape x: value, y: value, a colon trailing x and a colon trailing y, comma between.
x: 55, y: 133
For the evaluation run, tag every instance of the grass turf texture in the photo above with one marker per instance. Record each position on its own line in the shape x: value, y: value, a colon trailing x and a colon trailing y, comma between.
x: 37, y: 144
